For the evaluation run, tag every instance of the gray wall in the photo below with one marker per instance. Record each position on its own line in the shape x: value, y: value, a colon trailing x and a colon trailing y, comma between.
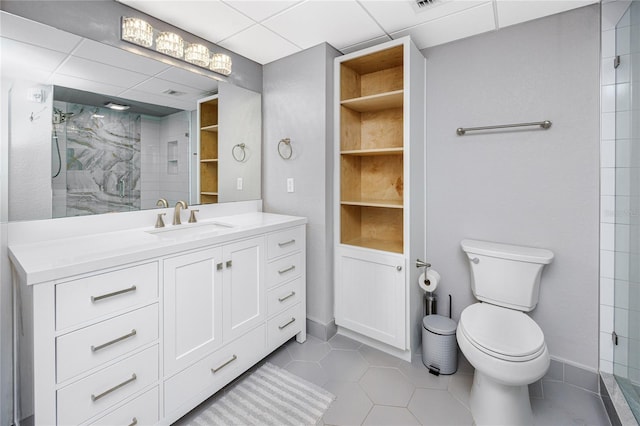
x: 297, y: 104
x: 536, y: 188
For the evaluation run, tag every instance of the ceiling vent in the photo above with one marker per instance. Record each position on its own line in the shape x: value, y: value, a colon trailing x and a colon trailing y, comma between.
x: 172, y: 92
x: 422, y: 5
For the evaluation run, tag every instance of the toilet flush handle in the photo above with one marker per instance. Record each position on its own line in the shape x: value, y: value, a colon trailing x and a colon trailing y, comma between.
x: 475, y: 260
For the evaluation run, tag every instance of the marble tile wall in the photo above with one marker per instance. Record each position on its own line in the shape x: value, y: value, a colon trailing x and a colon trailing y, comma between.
x: 115, y: 162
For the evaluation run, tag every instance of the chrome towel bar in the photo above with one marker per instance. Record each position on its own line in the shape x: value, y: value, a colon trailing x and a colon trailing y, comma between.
x: 463, y: 130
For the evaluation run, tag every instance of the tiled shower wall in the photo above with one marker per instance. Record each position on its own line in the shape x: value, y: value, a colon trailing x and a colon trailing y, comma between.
x: 165, y: 159
x: 154, y: 161
x: 620, y: 194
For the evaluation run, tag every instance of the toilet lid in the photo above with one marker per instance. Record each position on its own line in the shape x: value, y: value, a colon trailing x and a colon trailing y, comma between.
x: 502, y: 332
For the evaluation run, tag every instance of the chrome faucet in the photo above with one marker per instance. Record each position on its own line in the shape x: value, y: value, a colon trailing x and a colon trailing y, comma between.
x: 162, y: 202
x: 176, y: 212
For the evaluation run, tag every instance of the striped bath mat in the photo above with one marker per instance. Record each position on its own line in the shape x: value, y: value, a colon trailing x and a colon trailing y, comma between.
x: 268, y: 396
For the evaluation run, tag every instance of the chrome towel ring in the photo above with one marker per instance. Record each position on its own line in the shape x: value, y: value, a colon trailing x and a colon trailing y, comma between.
x: 288, y: 150
x: 239, y: 156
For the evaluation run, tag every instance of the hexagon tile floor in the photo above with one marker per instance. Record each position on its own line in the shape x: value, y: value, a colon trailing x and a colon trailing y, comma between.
x: 373, y: 388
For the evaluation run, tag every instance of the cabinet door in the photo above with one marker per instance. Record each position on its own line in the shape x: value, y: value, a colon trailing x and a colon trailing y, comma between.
x: 192, y: 307
x: 243, y: 287
x: 370, y: 295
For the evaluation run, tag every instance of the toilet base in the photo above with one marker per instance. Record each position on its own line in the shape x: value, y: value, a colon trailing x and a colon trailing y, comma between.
x: 493, y: 403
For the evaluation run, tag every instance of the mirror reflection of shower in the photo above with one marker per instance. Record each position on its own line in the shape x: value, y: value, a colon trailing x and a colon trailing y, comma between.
x: 95, y: 160
x: 58, y: 118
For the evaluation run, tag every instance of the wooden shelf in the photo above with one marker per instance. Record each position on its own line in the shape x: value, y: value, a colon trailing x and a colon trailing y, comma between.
x: 373, y: 151
x: 208, y: 141
x: 376, y: 102
x: 389, y: 204
x: 212, y: 128
x: 394, y: 246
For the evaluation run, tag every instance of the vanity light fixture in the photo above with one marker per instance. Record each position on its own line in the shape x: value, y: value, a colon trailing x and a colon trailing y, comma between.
x: 220, y: 63
x: 138, y: 31
x: 170, y: 44
x: 197, y: 54
x: 117, y: 107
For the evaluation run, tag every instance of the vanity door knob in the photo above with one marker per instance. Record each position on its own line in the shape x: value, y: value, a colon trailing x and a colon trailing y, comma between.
x: 398, y: 268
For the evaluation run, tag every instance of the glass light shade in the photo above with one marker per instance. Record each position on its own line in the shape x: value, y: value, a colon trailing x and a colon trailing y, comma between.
x: 137, y: 31
x: 197, y: 54
x: 220, y: 63
x: 170, y: 44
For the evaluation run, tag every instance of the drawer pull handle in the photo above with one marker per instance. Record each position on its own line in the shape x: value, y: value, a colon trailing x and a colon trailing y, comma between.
x: 134, y: 422
x: 115, y: 293
x: 111, y: 342
x: 286, y: 243
x: 283, y: 326
x: 282, y: 299
x: 224, y: 364
x: 229, y: 263
x: 290, y: 268
x: 115, y: 388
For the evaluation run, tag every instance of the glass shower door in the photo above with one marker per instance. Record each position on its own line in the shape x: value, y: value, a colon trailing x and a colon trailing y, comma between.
x: 627, y: 190
x: 102, y: 161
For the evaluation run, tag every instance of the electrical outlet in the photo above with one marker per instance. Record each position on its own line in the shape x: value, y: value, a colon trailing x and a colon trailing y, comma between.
x: 239, y: 184
x: 290, y: 185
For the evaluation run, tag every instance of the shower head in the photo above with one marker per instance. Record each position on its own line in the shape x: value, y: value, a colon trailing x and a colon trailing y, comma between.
x: 60, y: 117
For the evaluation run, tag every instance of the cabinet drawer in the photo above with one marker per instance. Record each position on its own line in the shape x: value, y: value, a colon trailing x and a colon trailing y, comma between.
x: 284, y: 269
x: 144, y: 410
x: 92, y: 346
x: 282, y: 297
x: 229, y: 362
x: 284, y: 326
x: 283, y: 242
x: 99, y: 391
x: 93, y: 297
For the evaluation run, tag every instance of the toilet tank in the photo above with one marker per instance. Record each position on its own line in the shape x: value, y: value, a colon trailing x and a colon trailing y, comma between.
x: 506, y: 275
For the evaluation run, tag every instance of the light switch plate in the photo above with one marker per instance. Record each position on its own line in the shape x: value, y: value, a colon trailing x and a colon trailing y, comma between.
x: 239, y: 184
x: 290, y: 185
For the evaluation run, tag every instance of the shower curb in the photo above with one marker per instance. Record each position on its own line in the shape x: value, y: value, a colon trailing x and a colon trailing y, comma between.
x: 614, y: 402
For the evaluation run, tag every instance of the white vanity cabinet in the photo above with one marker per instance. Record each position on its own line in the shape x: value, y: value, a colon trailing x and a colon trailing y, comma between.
x: 95, y: 343
x: 147, y: 340
x: 211, y: 296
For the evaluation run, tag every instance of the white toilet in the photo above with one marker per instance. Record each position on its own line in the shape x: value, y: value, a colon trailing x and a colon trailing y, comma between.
x: 497, y: 337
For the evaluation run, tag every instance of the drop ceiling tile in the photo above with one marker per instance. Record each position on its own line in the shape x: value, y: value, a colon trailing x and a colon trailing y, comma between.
x: 212, y: 19
x: 463, y: 24
x: 21, y: 29
x: 394, y: 15
x: 365, y: 44
x: 260, y: 45
x: 158, y: 86
x: 259, y: 10
x: 141, y: 96
x: 111, y: 55
x: 185, y: 77
x: 512, y: 12
x: 339, y: 23
x: 96, y: 71
x: 26, y: 61
x: 86, y: 85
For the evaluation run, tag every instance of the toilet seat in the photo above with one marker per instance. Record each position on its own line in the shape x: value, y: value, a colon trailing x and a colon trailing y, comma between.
x: 501, y: 332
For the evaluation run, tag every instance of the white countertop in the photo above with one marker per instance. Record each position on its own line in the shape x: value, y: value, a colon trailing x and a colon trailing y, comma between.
x: 61, y: 258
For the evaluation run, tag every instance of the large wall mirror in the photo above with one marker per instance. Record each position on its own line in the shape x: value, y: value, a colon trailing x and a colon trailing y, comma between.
x: 71, y: 154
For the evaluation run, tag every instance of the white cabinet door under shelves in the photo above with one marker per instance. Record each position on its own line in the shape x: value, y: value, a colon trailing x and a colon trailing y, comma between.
x: 243, y: 287
x: 192, y: 307
x: 371, y: 297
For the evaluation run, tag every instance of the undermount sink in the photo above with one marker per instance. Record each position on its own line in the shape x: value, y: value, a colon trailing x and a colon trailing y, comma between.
x: 192, y: 230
